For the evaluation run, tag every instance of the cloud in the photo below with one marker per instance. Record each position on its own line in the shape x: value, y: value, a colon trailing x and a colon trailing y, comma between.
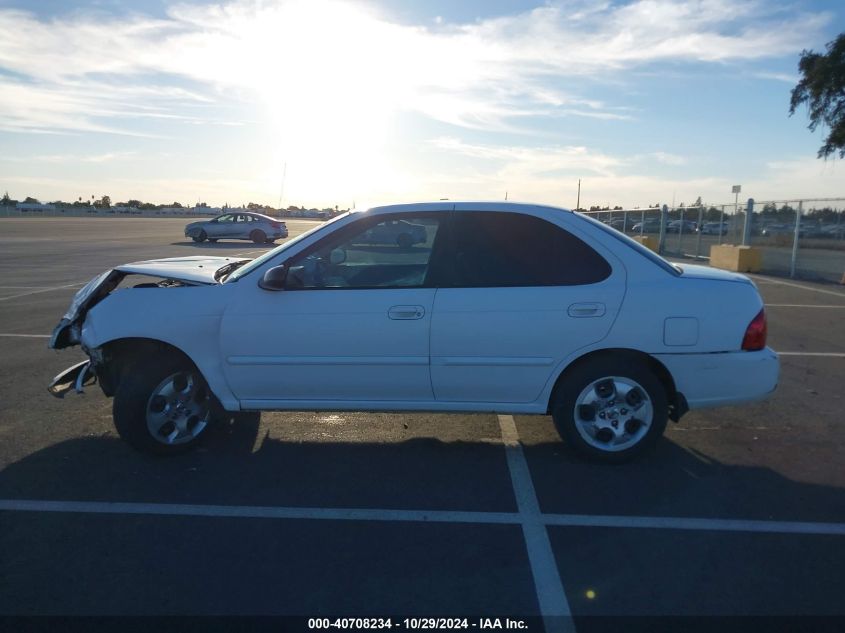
x: 784, y: 77
x: 96, y: 73
x: 107, y: 157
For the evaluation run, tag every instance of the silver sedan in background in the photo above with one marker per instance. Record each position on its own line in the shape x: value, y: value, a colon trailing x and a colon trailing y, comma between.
x: 238, y: 226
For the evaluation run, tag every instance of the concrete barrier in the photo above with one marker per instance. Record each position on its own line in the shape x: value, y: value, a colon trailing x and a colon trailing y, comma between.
x: 649, y: 241
x: 741, y: 259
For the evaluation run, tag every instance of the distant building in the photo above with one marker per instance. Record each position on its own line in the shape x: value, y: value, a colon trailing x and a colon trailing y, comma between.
x: 34, y: 206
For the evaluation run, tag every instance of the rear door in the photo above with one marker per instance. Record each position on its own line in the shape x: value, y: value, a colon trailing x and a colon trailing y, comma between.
x: 525, y: 294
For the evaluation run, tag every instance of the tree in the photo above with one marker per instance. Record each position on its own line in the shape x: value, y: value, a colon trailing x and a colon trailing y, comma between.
x: 31, y: 200
x: 822, y: 88
x: 7, y: 201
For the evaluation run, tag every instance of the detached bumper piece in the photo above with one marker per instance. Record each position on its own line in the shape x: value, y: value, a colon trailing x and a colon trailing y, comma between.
x: 76, y: 377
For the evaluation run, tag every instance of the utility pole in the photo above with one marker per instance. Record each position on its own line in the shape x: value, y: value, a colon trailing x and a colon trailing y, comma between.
x: 282, y: 191
x: 578, y: 203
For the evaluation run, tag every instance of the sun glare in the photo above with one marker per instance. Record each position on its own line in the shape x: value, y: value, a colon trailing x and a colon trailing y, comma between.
x: 329, y: 85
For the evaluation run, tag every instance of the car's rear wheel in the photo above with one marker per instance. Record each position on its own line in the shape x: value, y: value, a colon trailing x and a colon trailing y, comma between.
x: 258, y: 236
x: 200, y: 237
x: 162, y: 405
x: 610, y: 409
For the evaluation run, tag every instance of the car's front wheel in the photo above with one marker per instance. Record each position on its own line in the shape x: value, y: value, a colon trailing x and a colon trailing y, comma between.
x: 610, y: 410
x: 162, y: 405
x: 200, y: 237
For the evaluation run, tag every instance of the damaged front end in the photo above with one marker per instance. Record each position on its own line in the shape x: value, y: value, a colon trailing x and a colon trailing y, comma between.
x: 77, y: 377
x: 69, y: 330
x: 173, y: 272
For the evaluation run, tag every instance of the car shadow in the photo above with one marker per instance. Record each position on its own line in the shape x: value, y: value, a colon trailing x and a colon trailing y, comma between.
x: 240, y: 465
x: 237, y: 245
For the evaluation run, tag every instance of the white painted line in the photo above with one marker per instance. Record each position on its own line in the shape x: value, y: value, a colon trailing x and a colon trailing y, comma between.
x: 679, y: 523
x: 25, y: 335
x: 822, y: 354
x: 422, y: 516
x: 800, y: 305
x: 794, y: 285
x: 259, y: 512
x: 551, y: 596
x: 35, y: 292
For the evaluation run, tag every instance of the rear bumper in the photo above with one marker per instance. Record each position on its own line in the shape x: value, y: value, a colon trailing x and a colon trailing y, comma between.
x: 715, y: 380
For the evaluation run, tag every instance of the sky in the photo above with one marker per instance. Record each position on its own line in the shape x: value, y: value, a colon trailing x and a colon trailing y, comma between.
x: 324, y: 103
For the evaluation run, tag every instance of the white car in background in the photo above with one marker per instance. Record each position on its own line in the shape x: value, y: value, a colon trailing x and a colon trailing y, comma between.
x: 256, y: 227
x: 501, y: 307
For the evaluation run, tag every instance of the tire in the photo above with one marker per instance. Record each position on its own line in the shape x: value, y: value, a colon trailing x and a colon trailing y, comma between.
x: 213, y: 240
x: 611, y: 433
x: 200, y: 237
x: 163, y: 405
x: 258, y: 236
x: 404, y: 240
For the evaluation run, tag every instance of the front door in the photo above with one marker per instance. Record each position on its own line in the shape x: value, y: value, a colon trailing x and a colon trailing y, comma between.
x: 352, y: 325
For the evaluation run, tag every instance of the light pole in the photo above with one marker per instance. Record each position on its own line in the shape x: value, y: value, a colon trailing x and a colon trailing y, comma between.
x: 578, y: 203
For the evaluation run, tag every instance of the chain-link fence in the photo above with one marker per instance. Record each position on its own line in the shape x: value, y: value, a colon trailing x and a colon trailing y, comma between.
x: 797, y: 238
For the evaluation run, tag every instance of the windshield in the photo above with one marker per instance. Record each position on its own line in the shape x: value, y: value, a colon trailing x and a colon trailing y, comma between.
x: 258, y: 261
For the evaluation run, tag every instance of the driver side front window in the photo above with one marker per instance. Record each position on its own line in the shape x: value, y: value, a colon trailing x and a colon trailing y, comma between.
x: 393, y: 253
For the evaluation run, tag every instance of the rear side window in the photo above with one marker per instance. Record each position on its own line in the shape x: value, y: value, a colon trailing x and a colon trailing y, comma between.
x: 512, y: 249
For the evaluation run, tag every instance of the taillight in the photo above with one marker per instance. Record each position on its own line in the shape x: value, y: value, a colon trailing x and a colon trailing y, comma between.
x: 755, y: 333
x: 275, y: 225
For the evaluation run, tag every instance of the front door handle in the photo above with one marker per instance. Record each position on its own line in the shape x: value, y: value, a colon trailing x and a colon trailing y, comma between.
x: 406, y: 312
x: 581, y: 310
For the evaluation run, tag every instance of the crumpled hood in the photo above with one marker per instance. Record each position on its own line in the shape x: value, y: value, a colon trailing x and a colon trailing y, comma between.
x: 192, y: 269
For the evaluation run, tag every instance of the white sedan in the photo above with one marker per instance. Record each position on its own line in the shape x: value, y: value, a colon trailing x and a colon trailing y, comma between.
x: 502, y: 307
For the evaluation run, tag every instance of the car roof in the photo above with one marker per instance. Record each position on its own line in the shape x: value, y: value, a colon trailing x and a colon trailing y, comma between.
x: 252, y: 213
x: 465, y: 205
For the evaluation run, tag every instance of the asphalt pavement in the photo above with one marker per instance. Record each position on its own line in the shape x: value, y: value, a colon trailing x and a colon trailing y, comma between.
x: 738, y: 512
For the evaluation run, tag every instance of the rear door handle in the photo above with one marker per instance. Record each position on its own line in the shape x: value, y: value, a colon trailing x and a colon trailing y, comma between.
x: 582, y: 310
x: 406, y: 312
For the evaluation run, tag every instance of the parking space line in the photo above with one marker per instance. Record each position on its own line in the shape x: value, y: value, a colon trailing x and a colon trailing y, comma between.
x: 423, y: 516
x: 794, y: 285
x: 680, y: 523
x: 35, y: 292
x: 800, y: 305
x: 551, y: 596
x: 260, y: 512
x: 25, y: 335
x: 822, y: 354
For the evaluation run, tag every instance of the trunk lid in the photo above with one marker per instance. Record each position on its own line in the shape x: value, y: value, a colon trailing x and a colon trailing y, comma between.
x: 695, y: 271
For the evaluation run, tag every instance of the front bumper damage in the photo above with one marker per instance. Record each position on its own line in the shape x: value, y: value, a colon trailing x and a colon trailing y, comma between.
x: 77, y: 378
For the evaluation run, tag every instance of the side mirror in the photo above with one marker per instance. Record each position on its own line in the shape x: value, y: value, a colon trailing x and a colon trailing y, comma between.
x: 275, y: 278
x: 337, y: 256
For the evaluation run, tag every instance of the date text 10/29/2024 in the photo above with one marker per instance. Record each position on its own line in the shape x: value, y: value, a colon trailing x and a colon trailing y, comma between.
x: 417, y: 623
